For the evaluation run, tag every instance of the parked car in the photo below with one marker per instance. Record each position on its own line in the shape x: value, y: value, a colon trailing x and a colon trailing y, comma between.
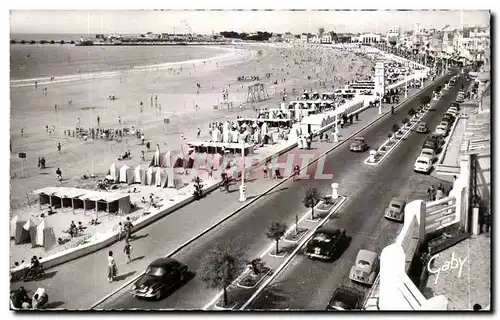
x: 423, y: 164
x: 442, y: 130
x: 366, y: 267
x: 429, y: 153
x: 454, y: 112
x: 445, y: 123
x: 455, y: 105
x: 358, y: 144
x: 344, y: 299
x: 422, y: 128
x: 432, y: 144
x: 395, y: 210
x: 326, y: 243
x: 437, y: 138
x: 161, y: 275
x: 448, y: 117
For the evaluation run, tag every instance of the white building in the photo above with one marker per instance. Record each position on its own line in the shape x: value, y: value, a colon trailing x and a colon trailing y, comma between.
x: 304, y: 38
x: 368, y: 38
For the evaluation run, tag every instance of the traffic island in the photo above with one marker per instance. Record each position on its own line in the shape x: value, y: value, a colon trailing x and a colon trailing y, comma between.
x: 296, y: 236
x: 251, y: 279
x: 229, y: 306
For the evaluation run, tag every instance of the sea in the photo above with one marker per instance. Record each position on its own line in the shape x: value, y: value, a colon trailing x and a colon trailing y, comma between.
x: 41, y: 61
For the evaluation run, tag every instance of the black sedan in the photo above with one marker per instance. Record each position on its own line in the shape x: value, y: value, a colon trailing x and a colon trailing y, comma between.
x: 344, y: 299
x: 326, y: 243
x: 161, y: 275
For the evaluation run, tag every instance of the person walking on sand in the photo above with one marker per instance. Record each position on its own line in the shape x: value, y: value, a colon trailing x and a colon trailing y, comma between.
x: 59, y: 147
x: 78, y: 122
x: 198, y: 133
x: 22, y: 132
x: 112, y: 269
x: 119, y: 120
x: 127, y: 250
x: 98, y: 120
x: 59, y: 174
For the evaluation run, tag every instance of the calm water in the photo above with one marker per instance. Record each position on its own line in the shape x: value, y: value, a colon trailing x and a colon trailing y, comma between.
x: 39, y: 61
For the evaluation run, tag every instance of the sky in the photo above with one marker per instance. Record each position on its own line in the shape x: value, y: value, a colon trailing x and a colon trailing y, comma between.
x: 141, y: 21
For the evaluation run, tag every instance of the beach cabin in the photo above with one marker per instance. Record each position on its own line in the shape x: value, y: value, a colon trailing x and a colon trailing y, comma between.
x: 313, y: 123
x: 220, y: 147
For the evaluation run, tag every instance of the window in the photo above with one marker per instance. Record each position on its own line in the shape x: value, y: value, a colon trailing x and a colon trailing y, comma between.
x: 395, y: 205
x: 156, y: 271
x: 363, y: 263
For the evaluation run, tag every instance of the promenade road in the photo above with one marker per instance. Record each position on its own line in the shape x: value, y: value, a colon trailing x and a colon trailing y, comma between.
x: 308, y: 284
x: 246, y: 231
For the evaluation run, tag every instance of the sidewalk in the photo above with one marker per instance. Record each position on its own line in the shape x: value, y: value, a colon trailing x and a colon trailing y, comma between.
x: 80, y: 283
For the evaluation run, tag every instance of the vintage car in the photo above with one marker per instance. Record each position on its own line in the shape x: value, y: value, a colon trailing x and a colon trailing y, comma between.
x: 422, y: 128
x: 432, y: 144
x: 445, y: 123
x: 345, y: 299
x: 455, y: 105
x: 358, y: 144
x: 366, y: 267
x: 439, y: 139
x: 429, y: 153
x: 441, y: 130
x: 452, y: 111
x: 326, y: 243
x: 395, y: 210
x: 161, y: 275
x: 448, y: 117
x: 423, y: 164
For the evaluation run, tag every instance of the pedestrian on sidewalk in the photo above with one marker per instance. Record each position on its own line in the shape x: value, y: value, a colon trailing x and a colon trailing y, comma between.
x: 120, y: 231
x: 112, y: 269
x: 127, y: 250
x: 128, y: 228
x: 431, y: 192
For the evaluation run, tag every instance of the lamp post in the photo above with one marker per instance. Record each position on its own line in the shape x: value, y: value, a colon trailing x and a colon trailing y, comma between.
x: 336, y: 132
x: 243, y: 196
x: 406, y: 86
x: 380, y: 103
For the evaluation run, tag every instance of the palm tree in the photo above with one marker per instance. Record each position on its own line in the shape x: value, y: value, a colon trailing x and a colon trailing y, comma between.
x: 311, y: 199
x: 275, y: 232
x: 219, y: 269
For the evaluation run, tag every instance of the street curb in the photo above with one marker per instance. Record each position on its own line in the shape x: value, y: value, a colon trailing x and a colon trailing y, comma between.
x: 294, y: 252
x: 448, y: 139
x: 340, y: 143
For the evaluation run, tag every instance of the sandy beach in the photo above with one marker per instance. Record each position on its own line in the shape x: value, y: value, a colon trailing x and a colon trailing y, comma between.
x: 32, y: 109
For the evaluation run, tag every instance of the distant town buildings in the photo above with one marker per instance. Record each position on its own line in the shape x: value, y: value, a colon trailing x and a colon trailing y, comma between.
x: 367, y: 38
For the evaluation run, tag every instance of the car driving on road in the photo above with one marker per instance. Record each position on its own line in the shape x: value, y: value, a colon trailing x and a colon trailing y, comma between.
x: 358, y: 144
x: 345, y: 299
x: 161, y: 275
x: 365, y: 269
x: 326, y: 243
x: 396, y: 210
x: 422, y: 128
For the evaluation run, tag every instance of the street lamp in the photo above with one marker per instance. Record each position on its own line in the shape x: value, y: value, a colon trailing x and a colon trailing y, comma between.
x: 243, y: 196
x: 380, y: 103
x: 336, y: 132
x: 406, y: 86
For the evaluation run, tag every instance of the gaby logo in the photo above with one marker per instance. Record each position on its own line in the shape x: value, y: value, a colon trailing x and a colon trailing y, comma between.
x: 448, y: 265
